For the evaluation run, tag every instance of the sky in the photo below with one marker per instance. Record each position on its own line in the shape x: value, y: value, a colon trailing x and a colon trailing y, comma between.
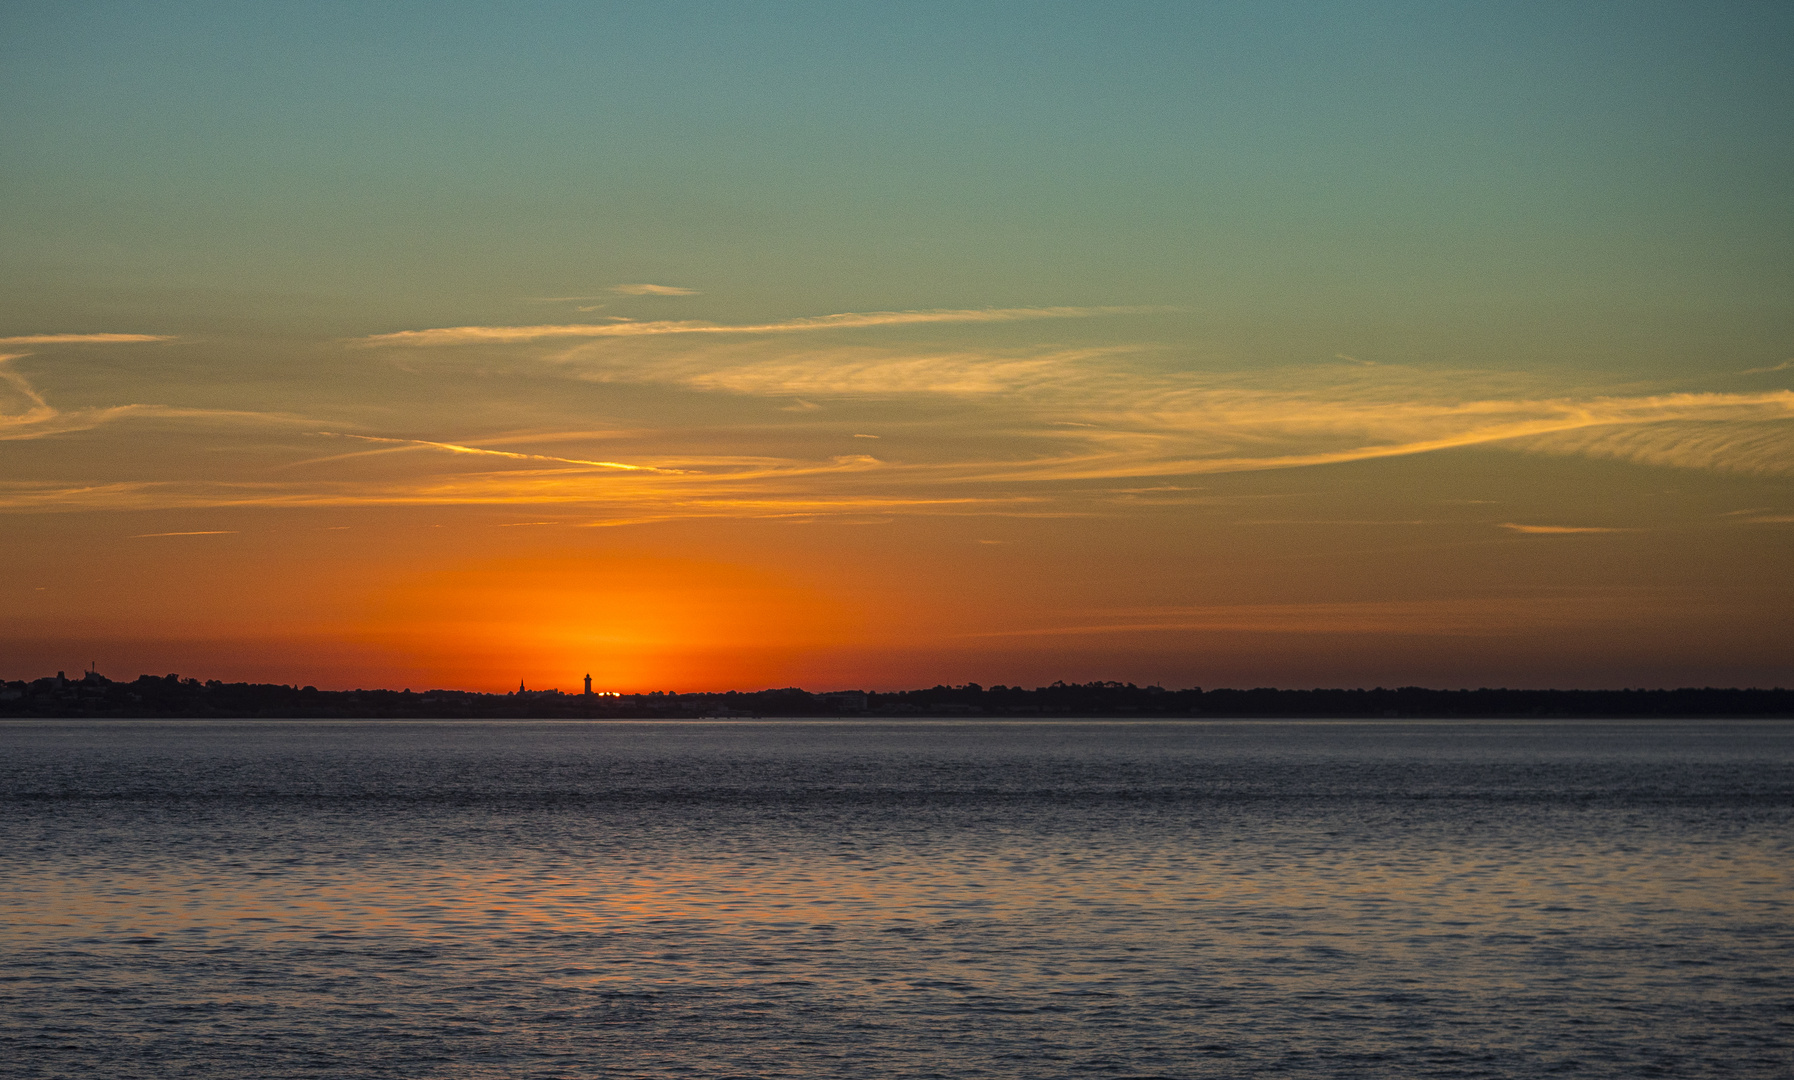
x: 706, y: 346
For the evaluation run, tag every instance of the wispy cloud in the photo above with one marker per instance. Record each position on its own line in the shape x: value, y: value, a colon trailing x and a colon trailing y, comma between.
x: 872, y: 373
x: 1194, y: 431
x: 500, y: 335
x: 1011, y: 430
x: 771, y: 491
x: 652, y: 290
x: 27, y: 415
x: 1785, y: 365
x: 1728, y: 432
x: 82, y: 339
x: 1558, y: 530
x: 195, y: 532
x: 29, y: 426
x: 37, y: 411
x: 39, y: 419
x: 458, y: 448
x: 1130, y: 425
x: 1116, y: 416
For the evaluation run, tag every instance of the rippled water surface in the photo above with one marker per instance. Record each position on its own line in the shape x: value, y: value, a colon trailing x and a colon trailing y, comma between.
x: 804, y: 899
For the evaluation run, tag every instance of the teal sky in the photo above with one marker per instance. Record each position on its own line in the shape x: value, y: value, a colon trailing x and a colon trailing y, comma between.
x: 1448, y: 342
x: 1350, y: 165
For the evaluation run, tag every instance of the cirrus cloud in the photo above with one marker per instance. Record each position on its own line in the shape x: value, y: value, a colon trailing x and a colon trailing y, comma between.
x: 849, y: 320
x: 1015, y: 429
x: 1558, y: 530
x: 652, y: 290
x: 82, y: 339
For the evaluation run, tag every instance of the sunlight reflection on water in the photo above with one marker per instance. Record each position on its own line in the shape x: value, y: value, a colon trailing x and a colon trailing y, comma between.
x: 955, y: 899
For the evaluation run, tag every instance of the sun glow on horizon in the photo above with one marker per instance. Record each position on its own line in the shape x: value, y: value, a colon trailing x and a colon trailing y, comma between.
x: 1180, y: 343
x: 634, y: 622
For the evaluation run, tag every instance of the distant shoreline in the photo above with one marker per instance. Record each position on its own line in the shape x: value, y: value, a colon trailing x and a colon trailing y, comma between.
x: 172, y: 697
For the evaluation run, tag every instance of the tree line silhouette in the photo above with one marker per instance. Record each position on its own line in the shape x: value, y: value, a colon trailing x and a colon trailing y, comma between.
x: 172, y: 696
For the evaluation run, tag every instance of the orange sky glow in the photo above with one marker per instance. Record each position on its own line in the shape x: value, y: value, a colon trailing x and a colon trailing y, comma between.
x: 1360, y: 351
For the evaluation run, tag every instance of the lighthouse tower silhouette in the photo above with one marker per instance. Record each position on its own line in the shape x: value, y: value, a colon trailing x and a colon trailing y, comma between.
x: 588, y: 686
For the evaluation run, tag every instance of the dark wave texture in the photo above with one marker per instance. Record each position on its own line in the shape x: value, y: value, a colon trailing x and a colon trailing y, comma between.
x: 867, y: 899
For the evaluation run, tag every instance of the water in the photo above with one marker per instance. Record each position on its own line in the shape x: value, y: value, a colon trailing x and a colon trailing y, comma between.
x: 805, y: 899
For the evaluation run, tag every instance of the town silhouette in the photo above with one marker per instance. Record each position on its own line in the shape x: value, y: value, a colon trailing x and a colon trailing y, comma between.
x: 172, y: 696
